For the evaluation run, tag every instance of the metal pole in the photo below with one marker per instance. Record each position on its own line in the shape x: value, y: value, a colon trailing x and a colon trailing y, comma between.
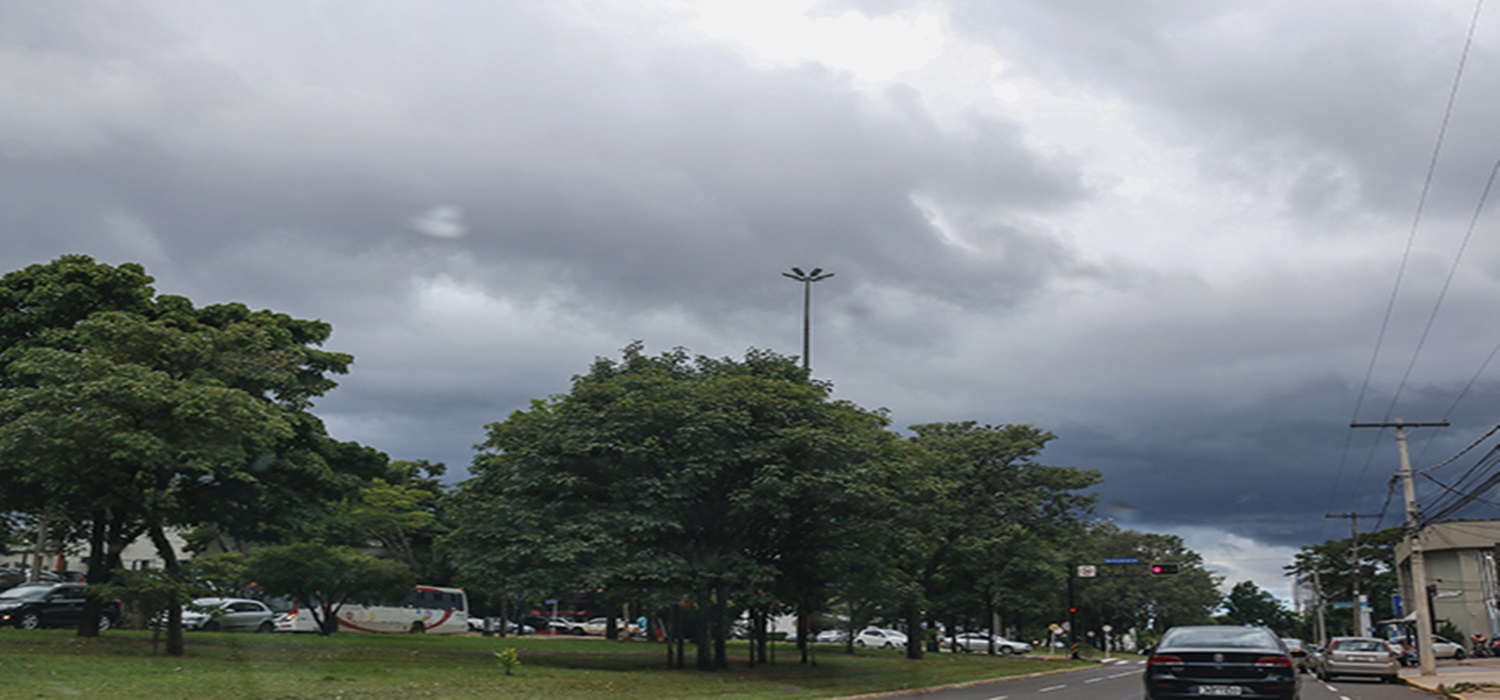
x: 807, y: 278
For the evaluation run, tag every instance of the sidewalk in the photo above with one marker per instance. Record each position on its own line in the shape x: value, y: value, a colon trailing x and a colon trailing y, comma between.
x: 1473, y: 679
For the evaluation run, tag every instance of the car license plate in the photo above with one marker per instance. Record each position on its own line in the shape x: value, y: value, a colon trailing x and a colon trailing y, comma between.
x: 1219, y: 691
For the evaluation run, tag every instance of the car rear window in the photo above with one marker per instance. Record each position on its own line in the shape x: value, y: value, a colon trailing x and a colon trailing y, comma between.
x: 1220, y: 637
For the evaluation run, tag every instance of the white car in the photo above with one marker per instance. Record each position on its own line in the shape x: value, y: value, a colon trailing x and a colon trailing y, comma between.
x: 978, y: 642
x: 1444, y: 649
x: 879, y: 638
x: 228, y: 615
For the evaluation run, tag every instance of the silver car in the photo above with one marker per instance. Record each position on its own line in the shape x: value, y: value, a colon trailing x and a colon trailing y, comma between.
x: 1359, y: 656
x: 978, y: 642
x: 228, y: 615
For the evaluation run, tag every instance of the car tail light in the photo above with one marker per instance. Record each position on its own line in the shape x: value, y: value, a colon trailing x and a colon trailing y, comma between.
x: 1273, y: 662
x: 1164, y: 660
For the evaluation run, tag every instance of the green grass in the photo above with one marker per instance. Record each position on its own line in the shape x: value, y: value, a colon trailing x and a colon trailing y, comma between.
x: 122, y: 666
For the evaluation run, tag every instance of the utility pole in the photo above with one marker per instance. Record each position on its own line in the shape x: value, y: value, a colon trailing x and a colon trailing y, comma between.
x: 1322, y: 626
x: 1417, y: 562
x: 1359, y: 608
x: 807, y: 278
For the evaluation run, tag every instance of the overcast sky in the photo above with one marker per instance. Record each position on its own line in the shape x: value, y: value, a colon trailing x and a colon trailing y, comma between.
x: 1194, y: 240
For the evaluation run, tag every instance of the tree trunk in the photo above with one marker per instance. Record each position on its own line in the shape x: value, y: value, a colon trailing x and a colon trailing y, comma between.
x: 702, y: 631
x: 93, y: 607
x: 914, y: 631
x: 174, y: 574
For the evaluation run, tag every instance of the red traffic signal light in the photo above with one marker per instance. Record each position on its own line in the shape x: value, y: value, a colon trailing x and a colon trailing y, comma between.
x: 1165, y: 569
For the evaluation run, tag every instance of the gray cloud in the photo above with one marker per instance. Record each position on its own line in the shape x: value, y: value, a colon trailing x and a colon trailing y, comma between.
x: 1167, y: 232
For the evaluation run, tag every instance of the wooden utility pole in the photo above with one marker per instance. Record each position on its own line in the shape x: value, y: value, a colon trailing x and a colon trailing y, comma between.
x: 1359, y: 608
x: 1416, y: 561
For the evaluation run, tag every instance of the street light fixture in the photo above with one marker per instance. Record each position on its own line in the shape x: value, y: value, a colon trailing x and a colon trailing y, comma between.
x: 807, y: 278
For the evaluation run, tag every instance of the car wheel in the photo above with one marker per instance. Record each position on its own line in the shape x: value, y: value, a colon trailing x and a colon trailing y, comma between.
x: 211, y: 626
x: 104, y: 623
x: 1459, y: 654
x: 418, y: 628
x: 1007, y: 651
x: 1392, y: 679
x: 29, y: 621
x: 265, y: 627
x: 859, y: 643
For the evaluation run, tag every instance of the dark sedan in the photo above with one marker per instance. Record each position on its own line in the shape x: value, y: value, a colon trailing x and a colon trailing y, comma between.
x: 1221, y: 661
x: 34, y: 605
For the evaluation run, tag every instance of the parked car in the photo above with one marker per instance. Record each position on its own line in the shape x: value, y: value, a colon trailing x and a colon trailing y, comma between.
x: 598, y: 625
x: 1441, y: 649
x: 1203, y: 661
x: 880, y: 638
x: 33, y: 605
x: 832, y: 637
x: 1299, y: 651
x: 476, y: 624
x: 1359, y: 656
x: 228, y: 615
x: 1444, y: 649
x: 979, y: 642
x: 11, y: 576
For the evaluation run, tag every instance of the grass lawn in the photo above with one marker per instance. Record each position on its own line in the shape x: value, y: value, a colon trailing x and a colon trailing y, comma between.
x: 122, y: 666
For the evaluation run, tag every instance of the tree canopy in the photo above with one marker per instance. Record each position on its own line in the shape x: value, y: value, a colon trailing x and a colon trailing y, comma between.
x: 139, y: 413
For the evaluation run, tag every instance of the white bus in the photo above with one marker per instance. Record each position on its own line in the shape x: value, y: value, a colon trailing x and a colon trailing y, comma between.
x: 429, y: 609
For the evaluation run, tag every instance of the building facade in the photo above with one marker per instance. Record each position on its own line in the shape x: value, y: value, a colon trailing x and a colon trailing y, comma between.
x: 1460, y: 563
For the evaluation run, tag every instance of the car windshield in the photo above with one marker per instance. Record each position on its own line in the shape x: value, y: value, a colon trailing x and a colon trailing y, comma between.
x: 1218, y: 637
x: 26, y: 593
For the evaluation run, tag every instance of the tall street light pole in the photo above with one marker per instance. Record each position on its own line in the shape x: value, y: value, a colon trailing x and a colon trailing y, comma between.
x: 807, y: 278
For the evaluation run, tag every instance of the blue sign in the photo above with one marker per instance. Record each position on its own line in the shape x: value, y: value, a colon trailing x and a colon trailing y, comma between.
x: 1122, y: 560
x: 1396, y: 604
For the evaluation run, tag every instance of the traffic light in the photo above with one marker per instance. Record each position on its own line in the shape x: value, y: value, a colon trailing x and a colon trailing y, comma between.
x: 1166, y: 569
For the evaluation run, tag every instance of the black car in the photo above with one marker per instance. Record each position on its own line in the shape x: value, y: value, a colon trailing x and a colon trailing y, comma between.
x: 34, y: 605
x: 1221, y: 661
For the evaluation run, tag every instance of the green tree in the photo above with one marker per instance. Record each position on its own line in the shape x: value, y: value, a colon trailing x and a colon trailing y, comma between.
x: 402, y: 512
x: 1330, y: 565
x: 1249, y: 604
x: 136, y: 413
x: 970, y: 499
x: 694, y: 480
x: 323, y: 579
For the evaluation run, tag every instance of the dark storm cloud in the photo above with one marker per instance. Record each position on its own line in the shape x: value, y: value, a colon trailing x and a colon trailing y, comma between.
x: 1170, y: 240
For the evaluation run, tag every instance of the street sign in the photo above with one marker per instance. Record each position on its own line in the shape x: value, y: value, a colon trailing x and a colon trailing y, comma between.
x: 1087, y: 571
x: 1122, y: 560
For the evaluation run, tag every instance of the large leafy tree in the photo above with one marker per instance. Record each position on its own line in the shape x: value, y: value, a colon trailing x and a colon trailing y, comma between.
x: 1249, y: 604
x: 159, y: 414
x: 697, y: 480
x: 971, y: 507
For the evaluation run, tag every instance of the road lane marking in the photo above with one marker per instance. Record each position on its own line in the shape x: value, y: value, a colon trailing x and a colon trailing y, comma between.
x: 1093, y: 680
x: 1051, y: 688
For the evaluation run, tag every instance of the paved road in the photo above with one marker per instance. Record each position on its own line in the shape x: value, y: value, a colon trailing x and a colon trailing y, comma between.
x: 1122, y: 681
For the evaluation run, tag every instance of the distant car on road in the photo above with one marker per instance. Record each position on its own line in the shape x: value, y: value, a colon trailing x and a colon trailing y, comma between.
x: 979, y: 643
x: 1359, y: 656
x: 33, y: 605
x: 879, y: 638
x: 1444, y: 649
